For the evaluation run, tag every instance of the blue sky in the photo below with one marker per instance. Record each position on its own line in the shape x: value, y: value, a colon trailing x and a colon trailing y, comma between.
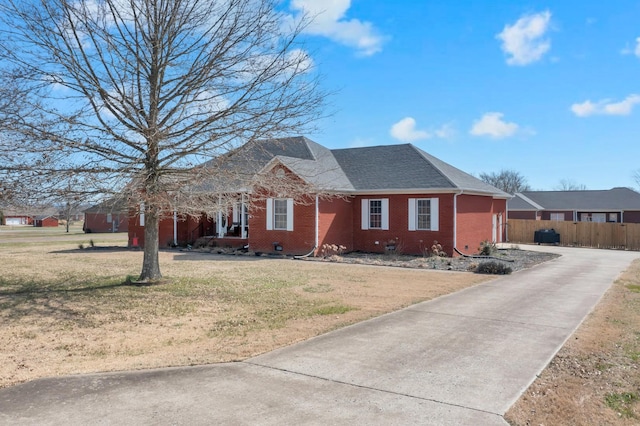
x: 548, y: 89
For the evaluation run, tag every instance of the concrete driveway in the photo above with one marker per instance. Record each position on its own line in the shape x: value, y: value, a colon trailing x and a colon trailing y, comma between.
x: 462, y: 359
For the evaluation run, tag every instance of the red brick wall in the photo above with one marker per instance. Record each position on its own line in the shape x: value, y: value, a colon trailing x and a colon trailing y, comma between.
x: 631, y: 217
x: 97, y: 222
x: 409, y: 242
x: 530, y: 215
x: 335, y: 222
x: 475, y: 221
x: 188, y: 230
x: 297, y: 242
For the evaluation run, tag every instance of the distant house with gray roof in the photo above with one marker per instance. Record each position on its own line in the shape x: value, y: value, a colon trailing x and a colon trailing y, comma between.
x: 617, y: 205
x: 395, y: 197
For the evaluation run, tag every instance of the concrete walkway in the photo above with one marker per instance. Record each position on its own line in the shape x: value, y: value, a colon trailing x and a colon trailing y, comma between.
x: 462, y: 359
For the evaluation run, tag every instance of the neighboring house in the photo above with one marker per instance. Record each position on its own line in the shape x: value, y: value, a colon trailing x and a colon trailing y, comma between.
x: 16, y: 217
x: 386, y: 197
x: 31, y: 216
x: 109, y: 216
x: 44, y: 221
x: 618, y: 205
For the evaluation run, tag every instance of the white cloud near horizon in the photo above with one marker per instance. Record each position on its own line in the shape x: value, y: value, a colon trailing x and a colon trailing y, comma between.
x: 328, y: 20
x: 406, y: 130
x: 524, y: 41
x: 606, y: 107
x: 492, y: 125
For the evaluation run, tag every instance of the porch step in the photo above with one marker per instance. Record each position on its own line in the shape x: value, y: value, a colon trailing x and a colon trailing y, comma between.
x: 203, y: 242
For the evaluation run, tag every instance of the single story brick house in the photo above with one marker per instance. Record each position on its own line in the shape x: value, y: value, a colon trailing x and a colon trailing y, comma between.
x: 16, y: 217
x: 110, y: 215
x: 44, y: 221
x: 30, y: 216
x: 384, y: 197
x: 616, y: 205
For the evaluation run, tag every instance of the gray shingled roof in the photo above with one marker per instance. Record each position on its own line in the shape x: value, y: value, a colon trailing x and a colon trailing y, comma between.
x: 590, y: 200
x: 380, y: 168
x: 405, y: 167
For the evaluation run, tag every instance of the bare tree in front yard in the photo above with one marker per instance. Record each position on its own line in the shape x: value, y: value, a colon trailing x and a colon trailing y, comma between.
x: 136, y: 93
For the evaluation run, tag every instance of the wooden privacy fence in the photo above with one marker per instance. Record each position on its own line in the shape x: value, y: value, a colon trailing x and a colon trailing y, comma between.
x: 621, y: 236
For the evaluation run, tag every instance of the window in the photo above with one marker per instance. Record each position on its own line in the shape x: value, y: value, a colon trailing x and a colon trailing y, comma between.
x: 109, y: 218
x: 375, y: 214
x: 598, y: 217
x: 613, y: 217
x: 556, y: 216
x: 280, y: 214
x: 423, y: 214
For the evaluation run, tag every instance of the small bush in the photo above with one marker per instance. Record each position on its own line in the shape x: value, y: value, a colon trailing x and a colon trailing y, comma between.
x: 332, y: 250
x: 487, y: 248
x: 436, y: 250
x: 494, y: 268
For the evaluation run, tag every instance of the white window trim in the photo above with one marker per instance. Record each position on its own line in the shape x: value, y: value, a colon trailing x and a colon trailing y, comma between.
x: 270, y: 214
x: 384, y: 225
x: 559, y: 217
x: 413, y: 214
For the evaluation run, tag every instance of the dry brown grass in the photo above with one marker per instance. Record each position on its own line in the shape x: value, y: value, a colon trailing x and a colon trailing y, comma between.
x: 66, y: 311
x: 595, y: 378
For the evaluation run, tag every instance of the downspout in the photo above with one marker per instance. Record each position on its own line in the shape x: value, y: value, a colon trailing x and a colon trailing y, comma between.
x: 317, y: 236
x: 621, y: 216
x: 175, y: 228
x: 455, y: 220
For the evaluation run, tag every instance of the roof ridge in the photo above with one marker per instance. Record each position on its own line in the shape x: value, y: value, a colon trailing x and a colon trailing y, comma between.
x: 424, y: 154
x: 529, y: 200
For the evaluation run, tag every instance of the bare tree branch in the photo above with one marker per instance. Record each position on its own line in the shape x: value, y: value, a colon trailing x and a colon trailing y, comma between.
x: 136, y: 93
x: 510, y: 181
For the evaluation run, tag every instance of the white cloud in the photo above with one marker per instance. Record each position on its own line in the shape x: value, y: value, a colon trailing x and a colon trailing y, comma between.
x: 606, y: 107
x: 524, y: 41
x: 491, y: 124
x: 446, y: 131
x: 329, y: 21
x: 405, y: 131
x: 636, y: 51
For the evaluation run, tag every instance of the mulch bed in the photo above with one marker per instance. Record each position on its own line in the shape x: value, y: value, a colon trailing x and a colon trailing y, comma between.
x: 515, y: 259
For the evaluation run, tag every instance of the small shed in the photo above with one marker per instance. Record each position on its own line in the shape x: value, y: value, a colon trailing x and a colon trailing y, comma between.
x: 45, y: 221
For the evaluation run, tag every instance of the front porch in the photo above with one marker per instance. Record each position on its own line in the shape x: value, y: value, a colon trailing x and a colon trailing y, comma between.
x: 227, y: 242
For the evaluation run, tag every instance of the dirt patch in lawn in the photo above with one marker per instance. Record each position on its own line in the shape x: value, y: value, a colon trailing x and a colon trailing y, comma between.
x: 595, y: 377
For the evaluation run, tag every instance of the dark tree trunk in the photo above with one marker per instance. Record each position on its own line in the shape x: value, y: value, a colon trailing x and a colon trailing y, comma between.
x: 151, y: 263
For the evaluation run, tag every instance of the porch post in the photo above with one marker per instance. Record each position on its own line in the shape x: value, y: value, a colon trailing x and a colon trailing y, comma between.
x: 243, y: 231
